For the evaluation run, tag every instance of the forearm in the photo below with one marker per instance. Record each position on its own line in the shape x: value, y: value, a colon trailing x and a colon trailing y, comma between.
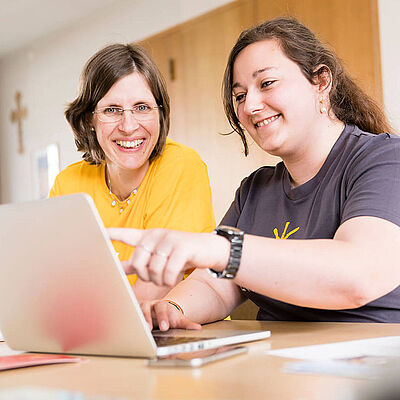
x: 330, y: 274
x: 347, y: 271
x: 145, y: 291
x: 203, y: 299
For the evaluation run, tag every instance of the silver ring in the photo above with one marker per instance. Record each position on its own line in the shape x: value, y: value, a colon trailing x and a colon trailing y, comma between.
x: 145, y: 248
x: 161, y: 254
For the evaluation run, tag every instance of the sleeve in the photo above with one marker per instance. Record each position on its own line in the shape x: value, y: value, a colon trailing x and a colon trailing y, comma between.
x: 373, y: 185
x: 70, y: 180
x: 180, y: 194
x: 231, y: 217
x: 56, y: 188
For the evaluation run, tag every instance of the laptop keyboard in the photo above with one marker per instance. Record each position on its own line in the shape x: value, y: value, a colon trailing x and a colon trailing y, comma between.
x: 173, y: 340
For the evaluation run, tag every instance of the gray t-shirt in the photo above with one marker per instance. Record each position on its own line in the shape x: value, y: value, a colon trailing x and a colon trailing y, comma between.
x: 360, y: 177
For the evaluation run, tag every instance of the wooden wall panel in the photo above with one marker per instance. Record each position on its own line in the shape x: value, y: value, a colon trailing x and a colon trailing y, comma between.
x: 349, y: 27
x: 166, y: 50
x: 206, y: 45
x: 198, y: 51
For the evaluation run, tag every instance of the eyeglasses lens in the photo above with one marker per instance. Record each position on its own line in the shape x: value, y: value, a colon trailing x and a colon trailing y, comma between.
x: 140, y: 113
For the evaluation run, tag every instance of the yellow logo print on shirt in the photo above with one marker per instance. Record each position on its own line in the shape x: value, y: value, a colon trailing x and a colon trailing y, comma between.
x: 284, y: 234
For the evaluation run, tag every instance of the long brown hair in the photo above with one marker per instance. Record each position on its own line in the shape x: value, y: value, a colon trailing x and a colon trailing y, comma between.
x: 349, y: 103
x: 103, y: 69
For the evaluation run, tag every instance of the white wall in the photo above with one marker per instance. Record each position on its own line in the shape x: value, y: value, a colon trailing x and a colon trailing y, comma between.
x: 389, y: 11
x: 47, y: 73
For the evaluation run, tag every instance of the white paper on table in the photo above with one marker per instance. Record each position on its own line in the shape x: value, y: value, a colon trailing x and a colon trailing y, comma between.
x: 356, y: 359
x: 355, y: 368
x: 382, y: 346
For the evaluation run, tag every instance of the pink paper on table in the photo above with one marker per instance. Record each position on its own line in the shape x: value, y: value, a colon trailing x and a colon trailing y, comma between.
x: 31, y: 360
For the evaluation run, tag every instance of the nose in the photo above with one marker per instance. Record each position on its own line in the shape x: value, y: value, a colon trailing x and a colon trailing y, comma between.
x: 128, y: 122
x: 253, y: 102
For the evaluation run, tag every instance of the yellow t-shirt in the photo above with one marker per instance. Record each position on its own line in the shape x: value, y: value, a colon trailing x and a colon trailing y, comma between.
x: 174, y: 194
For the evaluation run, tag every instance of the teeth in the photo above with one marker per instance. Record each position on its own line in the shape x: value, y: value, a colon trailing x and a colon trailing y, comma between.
x: 267, y: 121
x: 131, y: 144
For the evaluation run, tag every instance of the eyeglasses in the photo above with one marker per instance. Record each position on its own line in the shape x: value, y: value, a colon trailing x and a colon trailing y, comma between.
x: 142, y: 112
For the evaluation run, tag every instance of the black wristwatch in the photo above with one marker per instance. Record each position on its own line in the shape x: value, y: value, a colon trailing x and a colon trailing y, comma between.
x: 235, y: 237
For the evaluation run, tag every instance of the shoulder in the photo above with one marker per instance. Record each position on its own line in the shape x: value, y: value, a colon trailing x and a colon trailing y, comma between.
x: 366, y: 141
x: 178, y: 157
x: 78, y: 169
x: 366, y: 148
x: 78, y: 176
x: 263, y: 176
x: 251, y: 189
x: 259, y: 180
x: 371, y: 177
x: 71, y: 170
x: 178, y: 151
x: 178, y: 169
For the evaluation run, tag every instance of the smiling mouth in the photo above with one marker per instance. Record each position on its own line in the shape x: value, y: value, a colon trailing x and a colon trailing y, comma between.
x: 129, y: 144
x: 267, y: 121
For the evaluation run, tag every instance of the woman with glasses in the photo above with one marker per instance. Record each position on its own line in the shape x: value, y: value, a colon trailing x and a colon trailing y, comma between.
x: 315, y: 238
x: 136, y: 176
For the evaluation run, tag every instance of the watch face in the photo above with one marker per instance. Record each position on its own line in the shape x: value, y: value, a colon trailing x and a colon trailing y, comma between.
x: 229, y: 229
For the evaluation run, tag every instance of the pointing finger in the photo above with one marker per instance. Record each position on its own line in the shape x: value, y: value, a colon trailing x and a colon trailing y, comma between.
x: 128, y: 236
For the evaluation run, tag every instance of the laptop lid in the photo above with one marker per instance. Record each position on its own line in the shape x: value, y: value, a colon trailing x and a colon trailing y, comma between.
x: 63, y: 289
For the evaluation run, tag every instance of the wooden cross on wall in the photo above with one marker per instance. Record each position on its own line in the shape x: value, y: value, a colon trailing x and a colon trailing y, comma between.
x: 17, y: 116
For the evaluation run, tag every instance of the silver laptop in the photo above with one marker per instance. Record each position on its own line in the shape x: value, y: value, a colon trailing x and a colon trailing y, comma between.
x: 63, y: 289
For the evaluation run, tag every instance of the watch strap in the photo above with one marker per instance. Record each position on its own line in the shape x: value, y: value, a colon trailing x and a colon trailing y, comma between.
x: 235, y: 237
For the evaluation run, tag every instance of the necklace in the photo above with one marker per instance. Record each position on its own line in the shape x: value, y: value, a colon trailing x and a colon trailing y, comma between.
x: 115, y: 201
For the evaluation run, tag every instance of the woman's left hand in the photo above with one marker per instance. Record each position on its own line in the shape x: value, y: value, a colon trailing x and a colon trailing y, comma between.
x: 162, y: 254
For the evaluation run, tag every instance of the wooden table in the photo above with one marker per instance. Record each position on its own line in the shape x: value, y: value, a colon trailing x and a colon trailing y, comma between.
x: 256, y: 375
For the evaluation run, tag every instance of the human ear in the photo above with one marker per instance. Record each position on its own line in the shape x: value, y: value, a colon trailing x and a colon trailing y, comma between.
x: 322, y: 77
x: 90, y: 123
x: 323, y: 84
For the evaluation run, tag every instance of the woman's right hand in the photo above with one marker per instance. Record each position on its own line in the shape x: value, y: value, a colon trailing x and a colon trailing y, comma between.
x: 162, y: 314
x: 162, y: 255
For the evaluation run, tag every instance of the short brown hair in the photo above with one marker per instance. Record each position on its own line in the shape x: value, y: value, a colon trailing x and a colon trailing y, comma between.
x: 348, y: 101
x: 103, y: 69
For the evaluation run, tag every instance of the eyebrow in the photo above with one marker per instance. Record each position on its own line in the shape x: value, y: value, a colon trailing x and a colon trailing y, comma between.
x: 254, y: 75
x: 112, y: 103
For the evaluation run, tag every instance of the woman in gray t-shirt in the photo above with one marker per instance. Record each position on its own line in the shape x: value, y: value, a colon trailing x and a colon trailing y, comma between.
x: 321, y: 228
